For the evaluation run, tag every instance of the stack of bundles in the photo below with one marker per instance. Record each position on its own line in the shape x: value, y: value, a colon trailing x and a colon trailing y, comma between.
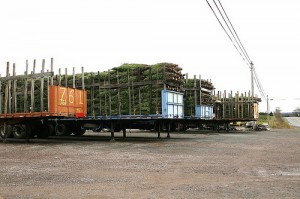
x: 192, y: 94
x: 131, y: 89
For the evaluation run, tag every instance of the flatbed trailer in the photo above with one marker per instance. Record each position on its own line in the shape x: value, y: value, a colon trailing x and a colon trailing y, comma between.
x: 34, y: 104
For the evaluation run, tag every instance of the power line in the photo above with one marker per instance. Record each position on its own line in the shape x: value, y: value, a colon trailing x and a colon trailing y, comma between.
x: 259, y: 85
x: 226, y: 32
x: 248, y: 59
x: 234, y: 31
x: 239, y: 43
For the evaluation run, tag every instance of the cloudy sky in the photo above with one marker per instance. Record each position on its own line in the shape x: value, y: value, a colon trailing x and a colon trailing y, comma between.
x: 101, y: 34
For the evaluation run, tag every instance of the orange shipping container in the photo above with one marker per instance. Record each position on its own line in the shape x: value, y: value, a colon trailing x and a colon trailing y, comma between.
x: 68, y: 102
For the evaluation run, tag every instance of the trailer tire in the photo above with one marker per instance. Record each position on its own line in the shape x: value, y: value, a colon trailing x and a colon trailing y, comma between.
x: 9, y: 131
x: 51, y: 129
x: 61, y: 129
x: 19, y: 131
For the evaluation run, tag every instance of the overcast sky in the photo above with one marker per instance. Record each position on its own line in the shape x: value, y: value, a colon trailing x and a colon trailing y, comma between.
x: 101, y: 34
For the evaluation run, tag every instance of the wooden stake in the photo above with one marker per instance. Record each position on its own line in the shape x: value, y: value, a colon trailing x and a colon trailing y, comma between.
x: 129, y: 93
x: 42, y: 88
x: 109, y: 93
x: 200, y: 91
x: 14, y: 92
x: 25, y: 90
x: 6, y: 90
x: 66, y: 77
x: 82, y: 78
x: 51, y: 78
x: 59, y: 77
x: 74, y: 78
x: 119, y: 102
x: 32, y: 89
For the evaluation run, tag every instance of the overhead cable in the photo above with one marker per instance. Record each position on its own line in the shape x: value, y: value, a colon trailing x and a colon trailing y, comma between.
x: 233, y: 35
x: 235, y: 31
x: 227, y: 33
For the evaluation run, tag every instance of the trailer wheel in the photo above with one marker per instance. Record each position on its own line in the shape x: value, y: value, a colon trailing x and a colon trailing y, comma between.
x: 61, y: 129
x: 8, y: 129
x: 19, y: 131
x: 51, y: 129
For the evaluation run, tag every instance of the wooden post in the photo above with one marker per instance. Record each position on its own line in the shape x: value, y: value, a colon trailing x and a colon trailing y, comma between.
x: 9, y: 95
x: 132, y: 89
x: 66, y: 77
x: 92, y: 88
x: 242, y: 106
x: 59, y: 77
x: 42, y: 88
x: 246, y: 106
x: 109, y: 93
x: 99, y: 90
x: 119, y: 102
x: 74, y: 78
x: 25, y: 90
x: 82, y: 78
x: 150, y: 100
x: 32, y: 89
x: 48, y: 93
x: 140, y: 105
x: 6, y: 91
x: 14, y: 91
x: 51, y: 78
x: 129, y: 93
x: 200, y: 90
x: 105, y: 99
x: 140, y: 101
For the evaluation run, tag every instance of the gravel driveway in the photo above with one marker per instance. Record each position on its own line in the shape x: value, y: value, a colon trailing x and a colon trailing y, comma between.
x: 191, y: 165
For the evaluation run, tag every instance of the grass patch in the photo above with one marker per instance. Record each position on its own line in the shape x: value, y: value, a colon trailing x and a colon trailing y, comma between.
x: 276, y: 122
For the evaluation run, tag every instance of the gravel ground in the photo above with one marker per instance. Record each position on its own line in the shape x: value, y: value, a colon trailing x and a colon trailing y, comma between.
x: 191, y: 165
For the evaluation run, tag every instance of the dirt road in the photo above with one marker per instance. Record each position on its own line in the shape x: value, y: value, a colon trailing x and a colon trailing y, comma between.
x: 198, y: 165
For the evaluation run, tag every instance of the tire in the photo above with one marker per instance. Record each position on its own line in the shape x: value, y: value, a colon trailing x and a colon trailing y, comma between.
x: 19, y: 131
x: 51, y: 129
x: 9, y: 131
x: 61, y: 129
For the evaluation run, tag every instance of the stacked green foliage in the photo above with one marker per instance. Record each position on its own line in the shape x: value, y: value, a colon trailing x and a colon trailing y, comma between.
x: 131, y: 89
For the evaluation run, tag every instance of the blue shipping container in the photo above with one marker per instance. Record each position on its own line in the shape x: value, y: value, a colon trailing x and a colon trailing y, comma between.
x: 172, y: 104
x: 204, y: 112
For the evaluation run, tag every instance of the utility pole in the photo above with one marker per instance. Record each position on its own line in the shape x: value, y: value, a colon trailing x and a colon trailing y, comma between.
x: 268, y: 108
x: 252, y: 79
x: 268, y: 104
